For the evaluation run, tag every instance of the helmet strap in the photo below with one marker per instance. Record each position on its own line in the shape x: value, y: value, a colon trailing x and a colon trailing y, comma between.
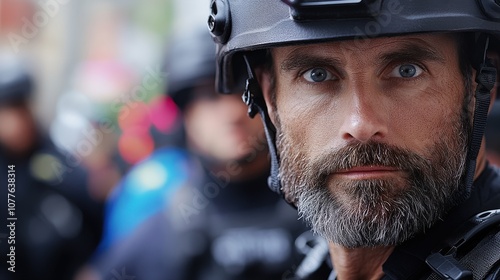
x: 254, y: 99
x: 485, y: 78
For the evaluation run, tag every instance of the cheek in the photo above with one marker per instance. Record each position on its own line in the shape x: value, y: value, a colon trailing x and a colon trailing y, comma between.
x: 309, y: 123
x: 322, y: 132
x: 418, y: 124
x: 415, y: 126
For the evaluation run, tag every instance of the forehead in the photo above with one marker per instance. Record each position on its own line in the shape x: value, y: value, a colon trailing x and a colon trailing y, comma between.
x: 441, y: 44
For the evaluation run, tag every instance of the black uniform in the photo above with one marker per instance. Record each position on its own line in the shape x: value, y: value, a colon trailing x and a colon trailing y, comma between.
x: 232, y: 231
x: 58, y: 224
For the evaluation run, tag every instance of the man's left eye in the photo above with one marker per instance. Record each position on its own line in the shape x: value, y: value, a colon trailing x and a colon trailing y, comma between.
x: 406, y: 71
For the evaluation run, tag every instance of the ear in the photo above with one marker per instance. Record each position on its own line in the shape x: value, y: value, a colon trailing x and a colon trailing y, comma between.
x: 265, y: 81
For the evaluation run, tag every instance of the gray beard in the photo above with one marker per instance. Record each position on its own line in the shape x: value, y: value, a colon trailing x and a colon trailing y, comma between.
x: 378, y: 212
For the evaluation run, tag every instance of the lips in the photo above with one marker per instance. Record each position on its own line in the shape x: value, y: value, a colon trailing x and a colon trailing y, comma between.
x: 365, y: 172
x: 369, y: 168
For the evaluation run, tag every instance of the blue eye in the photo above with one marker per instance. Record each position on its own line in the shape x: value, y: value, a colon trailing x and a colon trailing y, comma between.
x: 317, y: 75
x: 406, y: 71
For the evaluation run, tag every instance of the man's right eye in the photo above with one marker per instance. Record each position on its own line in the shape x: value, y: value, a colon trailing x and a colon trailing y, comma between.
x: 317, y: 75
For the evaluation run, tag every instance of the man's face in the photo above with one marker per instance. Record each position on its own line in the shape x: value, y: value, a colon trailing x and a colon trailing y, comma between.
x: 371, y: 135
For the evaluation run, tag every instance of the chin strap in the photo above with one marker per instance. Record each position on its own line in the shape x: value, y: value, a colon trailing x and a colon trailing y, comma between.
x: 254, y: 99
x: 485, y: 78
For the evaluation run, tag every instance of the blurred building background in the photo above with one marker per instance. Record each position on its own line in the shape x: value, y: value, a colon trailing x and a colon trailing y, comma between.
x: 98, y: 75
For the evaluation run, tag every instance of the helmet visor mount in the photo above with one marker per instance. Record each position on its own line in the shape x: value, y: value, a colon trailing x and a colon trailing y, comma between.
x: 328, y: 9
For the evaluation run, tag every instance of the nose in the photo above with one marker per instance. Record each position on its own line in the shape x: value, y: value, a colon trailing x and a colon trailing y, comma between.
x: 364, y: 118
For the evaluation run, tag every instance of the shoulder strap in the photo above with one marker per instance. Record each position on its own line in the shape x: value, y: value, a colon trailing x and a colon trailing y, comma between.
x: 315, y: 264
x: 474, y: 250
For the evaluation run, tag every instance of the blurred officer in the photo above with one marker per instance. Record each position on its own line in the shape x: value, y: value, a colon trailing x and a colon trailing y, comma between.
x: 222, y: 222
x: 58, y: 224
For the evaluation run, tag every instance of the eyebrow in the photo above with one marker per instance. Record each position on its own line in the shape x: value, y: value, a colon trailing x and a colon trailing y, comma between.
x: 300, y: 60
x: 412, y: 52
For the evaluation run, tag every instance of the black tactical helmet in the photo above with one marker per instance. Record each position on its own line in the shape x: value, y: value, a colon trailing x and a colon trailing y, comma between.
x: 242, y: 28
x: 16, y: 84
x: 190, y: 58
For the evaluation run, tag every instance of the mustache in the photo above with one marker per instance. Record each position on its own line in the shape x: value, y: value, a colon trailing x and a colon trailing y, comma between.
x: 368, y: 154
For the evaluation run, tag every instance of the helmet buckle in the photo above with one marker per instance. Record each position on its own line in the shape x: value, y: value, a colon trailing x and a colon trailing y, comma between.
x: 248, y: 96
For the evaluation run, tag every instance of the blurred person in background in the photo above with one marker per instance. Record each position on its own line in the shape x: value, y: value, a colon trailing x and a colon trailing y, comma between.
x: 58, y: 223
x: 217, y: 219
x: 492, y: 134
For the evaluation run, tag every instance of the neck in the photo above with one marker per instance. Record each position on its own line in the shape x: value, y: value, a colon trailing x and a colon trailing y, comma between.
x: 359, y: 263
